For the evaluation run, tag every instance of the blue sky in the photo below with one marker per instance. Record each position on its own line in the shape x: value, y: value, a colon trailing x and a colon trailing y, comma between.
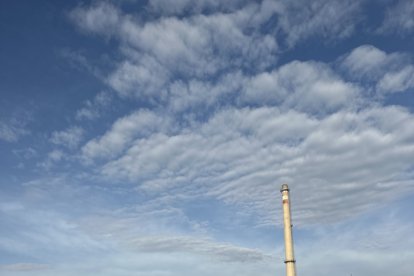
x: 152, y: 137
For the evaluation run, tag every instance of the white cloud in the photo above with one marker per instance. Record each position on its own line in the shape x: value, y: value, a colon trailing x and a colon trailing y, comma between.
x: 144, y: 79
x: 116, y: 241
x: 302, y: 123
x: 305, y: 86
x: 24, y: 267
x: 199, y: 46
x: 399, y: 18
x: 10, y: 206
x: 298, y: 20
x: 100, y: 17
x: 372, y: 67
x: 356, y: 159
x: 359, y: 247
x: 55, y: 155
x: 397, y: 81
x: 220, y: 252
x: 79, y: 61
x: 13, y: 128
x: 10, y: 133
x: 26, y: 153
x: 367, y: 61
x: 138, y: 124
x: 181, y: 6
x: 70, y: 137
x: 199, y: 95
x: 109, y: 239
x: 31, y: 233
x: 329, y: 20
x: 93, y: 108
x: 226, y: 129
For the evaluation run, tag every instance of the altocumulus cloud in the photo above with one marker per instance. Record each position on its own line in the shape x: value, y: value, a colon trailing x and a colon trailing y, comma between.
x: 207, y: 107
x: 303, y: 122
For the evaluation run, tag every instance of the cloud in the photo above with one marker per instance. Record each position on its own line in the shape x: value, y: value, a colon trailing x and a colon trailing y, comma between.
x: 203, y: 58
x: 398, y: 81
x: 78, y: 60
x: 200, y: 96
x: 306, y: 86
x: 346, y: 154
x: 93, y: 109
x: 38, y: 232
x: 398, y: 18
x: 199, y: 46
x: 100, y: 17
x: 53, y: 157
x: 116, y: 237
x: 297, y: 20
x: 70, y: 137
x: 221, y: 252
x: 26, y: 153
x: 372, y: 67
x: 358, y: 246
x: 13, y: 128
x: 236, y: 120
x: 330, y: 20
x: 114, y: 244
x: 367, y: 61
x: 144, y: 79
x: 125, y: 130
x: 188, y: 183
x: 184, y: 6
x: 24, y: 267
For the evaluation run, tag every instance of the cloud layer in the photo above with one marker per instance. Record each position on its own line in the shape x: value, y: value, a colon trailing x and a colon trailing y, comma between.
x: 238, y: 124
x: 202, y: 110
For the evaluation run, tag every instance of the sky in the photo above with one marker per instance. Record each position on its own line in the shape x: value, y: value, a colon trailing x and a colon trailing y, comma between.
x: 152, y: 137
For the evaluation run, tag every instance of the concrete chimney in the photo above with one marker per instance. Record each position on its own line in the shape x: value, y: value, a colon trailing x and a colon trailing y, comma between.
x: 287, y: 222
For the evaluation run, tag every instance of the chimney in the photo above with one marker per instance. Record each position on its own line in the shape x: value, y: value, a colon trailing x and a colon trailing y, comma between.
x: 287, y: 222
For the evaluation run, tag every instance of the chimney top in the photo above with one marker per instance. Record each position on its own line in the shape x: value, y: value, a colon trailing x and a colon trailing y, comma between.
x: 285, y: 187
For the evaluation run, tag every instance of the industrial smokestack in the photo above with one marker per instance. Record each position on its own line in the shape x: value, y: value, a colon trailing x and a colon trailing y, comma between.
x: 290, y: 257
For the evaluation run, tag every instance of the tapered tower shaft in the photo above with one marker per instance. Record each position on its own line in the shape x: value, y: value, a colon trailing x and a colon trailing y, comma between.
x: 287, y: 222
